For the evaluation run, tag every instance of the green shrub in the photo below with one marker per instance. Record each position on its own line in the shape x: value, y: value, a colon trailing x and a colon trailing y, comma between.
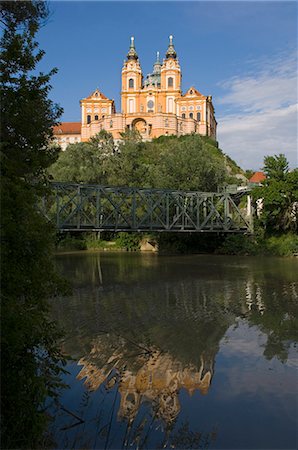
x: 128, y: 241
x: 284, y: 245
x: 238, y: 244
x: 68, y: 243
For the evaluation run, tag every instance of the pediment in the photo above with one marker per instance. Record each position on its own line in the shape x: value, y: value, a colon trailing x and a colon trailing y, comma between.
x: 193, y: 92
x: 97, y: 95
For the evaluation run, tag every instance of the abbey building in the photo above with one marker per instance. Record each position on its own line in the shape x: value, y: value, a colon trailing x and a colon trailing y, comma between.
x: 154, y: 106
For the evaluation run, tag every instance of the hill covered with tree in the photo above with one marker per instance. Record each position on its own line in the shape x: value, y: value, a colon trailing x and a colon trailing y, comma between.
x: 188, y: 162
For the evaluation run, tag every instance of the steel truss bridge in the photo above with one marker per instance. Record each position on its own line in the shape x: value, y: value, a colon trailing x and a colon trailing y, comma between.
x: 85, y: 207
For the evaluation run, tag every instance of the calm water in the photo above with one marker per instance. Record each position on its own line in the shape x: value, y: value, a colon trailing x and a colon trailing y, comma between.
x: 178, y: 352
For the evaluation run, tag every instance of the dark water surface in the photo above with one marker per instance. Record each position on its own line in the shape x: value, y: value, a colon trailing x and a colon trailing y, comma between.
x: 178, y: 352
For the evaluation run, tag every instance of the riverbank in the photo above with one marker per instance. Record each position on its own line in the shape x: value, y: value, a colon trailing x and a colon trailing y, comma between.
x: 173, y: 243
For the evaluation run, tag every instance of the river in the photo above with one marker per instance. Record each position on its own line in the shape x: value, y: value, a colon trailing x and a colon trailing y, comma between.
x: 178, y: 352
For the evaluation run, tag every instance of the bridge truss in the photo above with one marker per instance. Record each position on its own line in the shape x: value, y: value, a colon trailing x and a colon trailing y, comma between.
x: 80, y: 207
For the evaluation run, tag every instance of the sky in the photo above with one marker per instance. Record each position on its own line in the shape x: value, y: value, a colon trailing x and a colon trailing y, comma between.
x: 244, y: 54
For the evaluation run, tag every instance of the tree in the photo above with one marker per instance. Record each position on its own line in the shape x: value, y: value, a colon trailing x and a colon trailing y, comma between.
x: 85, y: 162
x: 31, y: 361
x: 188, y: 163
x: 276, y: 167
x: 127, y: 167
x: 279, y: 194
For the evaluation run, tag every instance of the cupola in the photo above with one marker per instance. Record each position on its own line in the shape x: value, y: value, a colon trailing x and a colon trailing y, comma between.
x: 132, y: 54
x: 171, y: 52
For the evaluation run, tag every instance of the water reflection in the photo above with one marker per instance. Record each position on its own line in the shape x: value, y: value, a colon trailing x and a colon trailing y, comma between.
x: 146, y: 332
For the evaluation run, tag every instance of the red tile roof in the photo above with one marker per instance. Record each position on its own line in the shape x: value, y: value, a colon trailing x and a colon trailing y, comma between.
x: 68, y: 128
x: 257, y: 177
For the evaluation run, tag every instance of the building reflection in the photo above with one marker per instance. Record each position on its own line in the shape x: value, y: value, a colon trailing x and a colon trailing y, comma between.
x: 149, y: 376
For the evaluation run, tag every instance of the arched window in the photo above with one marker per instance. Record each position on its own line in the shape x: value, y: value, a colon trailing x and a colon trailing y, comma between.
x: 88, y: 118
x: 131, y: 83
x: 111, y: 124
x: 95, y: 117
x: 191, y: 115
x: 170, y: 82
x: 166, y: 123
x: 183, y: 116
x: 198, y: 116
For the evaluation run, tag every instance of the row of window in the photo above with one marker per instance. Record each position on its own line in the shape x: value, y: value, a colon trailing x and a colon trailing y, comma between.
x: 191, y: 116
x: 131, y: 83
x: 183, y: 116
x: 96, y: 118
x: 190, y: 108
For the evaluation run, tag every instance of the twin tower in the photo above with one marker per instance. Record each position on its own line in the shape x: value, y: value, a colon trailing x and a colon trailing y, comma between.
x: 154, y: 106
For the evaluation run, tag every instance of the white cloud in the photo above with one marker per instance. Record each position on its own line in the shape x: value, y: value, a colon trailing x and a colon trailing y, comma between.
x: 261, y: 112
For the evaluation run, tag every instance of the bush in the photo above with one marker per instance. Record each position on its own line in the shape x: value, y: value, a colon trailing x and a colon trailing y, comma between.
x: 128, y: 241
x: 69, y: 243
x: 285, y: 245
x: 238, y: 244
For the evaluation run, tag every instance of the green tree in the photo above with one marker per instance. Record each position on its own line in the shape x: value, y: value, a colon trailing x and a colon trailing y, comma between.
x: 85, y: 162
x: 188, y: 163
x: 31, y: 361
x: 127, y: 167
x: 279, y: 194
x: 276, y: 167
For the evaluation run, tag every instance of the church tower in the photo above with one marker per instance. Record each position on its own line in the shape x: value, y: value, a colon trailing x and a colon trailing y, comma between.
x: 170, y: 79
x: 131, y: 81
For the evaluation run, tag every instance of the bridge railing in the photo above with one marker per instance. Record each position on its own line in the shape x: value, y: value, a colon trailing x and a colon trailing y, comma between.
x: 93, y: 207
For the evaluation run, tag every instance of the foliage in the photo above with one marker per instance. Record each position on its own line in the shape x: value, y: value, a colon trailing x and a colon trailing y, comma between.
x: 31, y: 361
x: 68, y: 243
x: 276, y: 167
x: 129, y: 241
x: 236, y: 244
x: 186, y: 162
x: 279, y: 194
x: 285, y: 245
x: 85, y: 162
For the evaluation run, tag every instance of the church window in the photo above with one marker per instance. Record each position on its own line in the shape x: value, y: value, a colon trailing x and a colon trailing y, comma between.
x: 190, y: 108
x: 170, y: 82
x: 88, y: 118
x: 183, y: 108
x: 95, y: 117
x: 166, y: 123
x: 170, y: 105
x: 183, y: 116
x: 131, y: 83
x: 96, y: 94
x: 131, y: 105
x: 191, y: 92
x: 198, y: 106
x: 191, y: 115
x: 111, y: 124
x: 198, y: 116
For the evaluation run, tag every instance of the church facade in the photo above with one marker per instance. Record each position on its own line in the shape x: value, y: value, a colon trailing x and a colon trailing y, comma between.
x: 154, y: 106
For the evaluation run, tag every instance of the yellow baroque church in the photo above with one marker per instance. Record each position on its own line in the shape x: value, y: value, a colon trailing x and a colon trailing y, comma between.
x: 154, y: 106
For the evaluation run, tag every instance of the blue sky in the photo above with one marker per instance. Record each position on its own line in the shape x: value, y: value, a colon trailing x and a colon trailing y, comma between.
x: 244, y: 54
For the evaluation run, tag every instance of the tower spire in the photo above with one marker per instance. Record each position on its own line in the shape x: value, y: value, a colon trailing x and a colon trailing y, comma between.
x: 171, y: 52
x: 157, y: 64
x: 132, y: 54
